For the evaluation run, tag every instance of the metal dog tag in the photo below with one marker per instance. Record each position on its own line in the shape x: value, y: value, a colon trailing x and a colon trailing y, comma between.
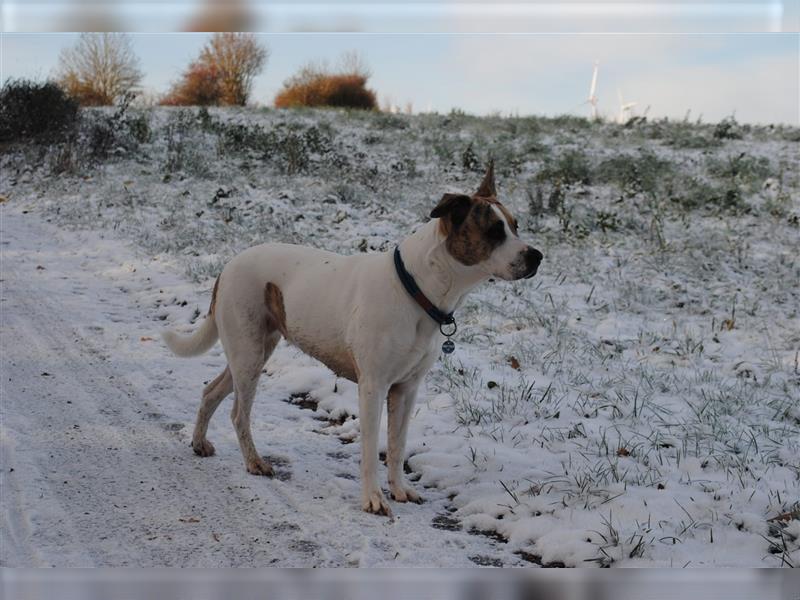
x: 448, y: 347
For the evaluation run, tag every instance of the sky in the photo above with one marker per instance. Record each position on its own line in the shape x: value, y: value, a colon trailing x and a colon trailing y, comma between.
x: 710, y: 68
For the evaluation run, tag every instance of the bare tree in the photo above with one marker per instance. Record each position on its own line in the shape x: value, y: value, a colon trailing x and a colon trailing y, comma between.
x: 99, y: 69
x: 237, y: 58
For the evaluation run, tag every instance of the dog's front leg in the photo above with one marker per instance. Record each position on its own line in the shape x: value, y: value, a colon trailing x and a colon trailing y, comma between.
x: 401, y: 403
x: 371, y: 397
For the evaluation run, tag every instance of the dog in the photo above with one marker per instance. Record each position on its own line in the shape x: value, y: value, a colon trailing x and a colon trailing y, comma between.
x: 375, y: 319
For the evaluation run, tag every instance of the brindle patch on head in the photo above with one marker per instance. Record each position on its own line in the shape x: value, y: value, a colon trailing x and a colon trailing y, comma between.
x: 512, y: 222
x: 482, y: 230
x: 213, y: 306
x: 276, y: 313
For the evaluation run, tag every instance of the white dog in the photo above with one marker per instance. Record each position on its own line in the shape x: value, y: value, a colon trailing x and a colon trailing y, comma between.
x: 376, y: 319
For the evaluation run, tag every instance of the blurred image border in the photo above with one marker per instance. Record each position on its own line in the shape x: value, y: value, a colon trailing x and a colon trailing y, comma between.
x: 399, y: 584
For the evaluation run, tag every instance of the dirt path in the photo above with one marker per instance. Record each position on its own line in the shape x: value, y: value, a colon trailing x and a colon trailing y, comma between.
x: 96, y: 417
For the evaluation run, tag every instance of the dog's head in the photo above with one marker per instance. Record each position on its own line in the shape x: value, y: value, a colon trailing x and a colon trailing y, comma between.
x: 480, y: 232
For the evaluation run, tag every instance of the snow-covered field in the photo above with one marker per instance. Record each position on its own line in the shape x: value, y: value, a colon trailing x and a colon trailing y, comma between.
x: 635, y: 404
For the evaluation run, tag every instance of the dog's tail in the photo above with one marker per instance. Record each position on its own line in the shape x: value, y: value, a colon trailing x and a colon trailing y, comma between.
x: 201, y: 340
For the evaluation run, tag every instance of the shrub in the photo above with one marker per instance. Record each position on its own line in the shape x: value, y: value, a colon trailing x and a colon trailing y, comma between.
x: 634, y: 173
x: 470, y: 160
x: 691, y: 194
x: 186, y: 150
x: 119, y: 132
x: 741, y: 169
x: 570, y: 168
x: 728, y: 129
x: 292, y: 149
x: 31, y: 110
x: 683, y: 135
x: 317, y: 86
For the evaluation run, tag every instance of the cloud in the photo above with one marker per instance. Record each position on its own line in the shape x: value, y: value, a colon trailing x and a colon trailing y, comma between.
x: 757, y: 90
x: 756, y: 76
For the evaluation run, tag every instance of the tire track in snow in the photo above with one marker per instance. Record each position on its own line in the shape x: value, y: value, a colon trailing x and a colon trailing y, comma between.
x: 115, y: 487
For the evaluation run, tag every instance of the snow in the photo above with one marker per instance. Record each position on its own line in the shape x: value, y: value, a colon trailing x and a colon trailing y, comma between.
x: 649, y: 416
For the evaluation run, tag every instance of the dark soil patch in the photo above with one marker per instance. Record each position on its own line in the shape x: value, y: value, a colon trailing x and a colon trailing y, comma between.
x: 446, y: 523
x: 303, y: 400
x: 486, y: 561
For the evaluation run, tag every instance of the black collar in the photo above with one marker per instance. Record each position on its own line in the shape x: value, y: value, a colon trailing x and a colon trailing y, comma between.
x: 441, y: 317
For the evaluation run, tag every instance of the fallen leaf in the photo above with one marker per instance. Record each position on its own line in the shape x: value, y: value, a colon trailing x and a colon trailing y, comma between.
x: 623, y: 452
x: 146, y: 338
x: 787, y: 516
x: 512, y: 360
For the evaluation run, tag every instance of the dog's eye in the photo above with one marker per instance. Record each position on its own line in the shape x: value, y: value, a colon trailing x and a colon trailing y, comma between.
x: 496, y: 232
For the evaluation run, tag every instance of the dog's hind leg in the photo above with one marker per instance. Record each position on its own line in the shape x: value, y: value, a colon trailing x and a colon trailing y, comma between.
x: 249, y: 331
x: 213, y: 394
x: 245, y: 374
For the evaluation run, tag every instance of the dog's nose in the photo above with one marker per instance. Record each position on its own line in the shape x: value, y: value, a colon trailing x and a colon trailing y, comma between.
x: 533, y: 259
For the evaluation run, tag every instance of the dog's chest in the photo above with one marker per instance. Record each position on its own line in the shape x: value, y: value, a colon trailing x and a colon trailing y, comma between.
x: 412, y: 358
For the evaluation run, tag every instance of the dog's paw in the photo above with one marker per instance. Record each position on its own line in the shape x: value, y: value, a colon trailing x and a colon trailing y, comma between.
x: 260, y: 467
x: 404, y: 493
x: 375, y: 502
x: 203, y: 448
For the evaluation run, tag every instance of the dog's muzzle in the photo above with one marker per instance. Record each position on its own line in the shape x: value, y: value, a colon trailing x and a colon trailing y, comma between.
x: 533, y: 258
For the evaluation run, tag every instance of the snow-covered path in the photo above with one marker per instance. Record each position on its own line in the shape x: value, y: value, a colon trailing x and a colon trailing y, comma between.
x: 96, y: 467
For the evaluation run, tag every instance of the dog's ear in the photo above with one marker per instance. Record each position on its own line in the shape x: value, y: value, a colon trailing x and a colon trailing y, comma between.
x: 487, y: 188
x: 456, y: 206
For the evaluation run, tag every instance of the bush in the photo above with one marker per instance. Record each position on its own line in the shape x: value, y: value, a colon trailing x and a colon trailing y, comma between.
x: 570, y: 168
x: 682, y: 134
x: 291, y: 149
x: 690, y: 193
x: 741, y: 169
x: 315, y: 86
x: 186, y: 148
x: 728, y: 129
x: 634, y: 173
x: 115, y: 133
x: 32, y: 110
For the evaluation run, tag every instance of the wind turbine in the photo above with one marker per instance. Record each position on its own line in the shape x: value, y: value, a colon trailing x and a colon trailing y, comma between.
x: 592, y: 92
x: 625, y: 109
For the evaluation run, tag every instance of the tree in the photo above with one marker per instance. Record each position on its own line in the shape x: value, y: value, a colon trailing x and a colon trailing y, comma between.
x: 198, y: 86
x: 223, y: 73
x: 99, y: 69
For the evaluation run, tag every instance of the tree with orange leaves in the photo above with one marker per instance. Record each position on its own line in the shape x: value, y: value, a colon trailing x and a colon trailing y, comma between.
x: 223, y: 74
